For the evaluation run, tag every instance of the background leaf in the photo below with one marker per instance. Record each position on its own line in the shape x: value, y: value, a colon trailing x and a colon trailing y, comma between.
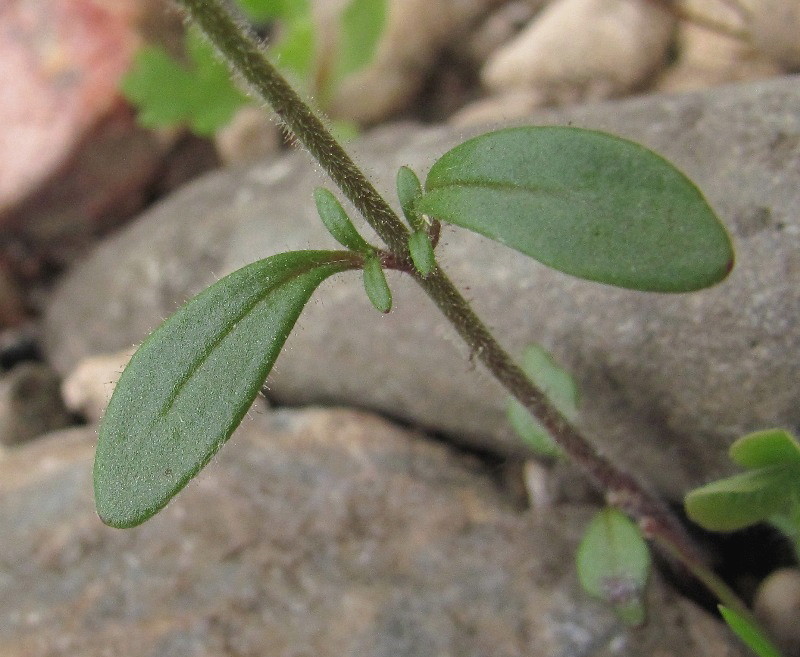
x: 762, y: 448
x: 744, y: 499
x: 190, y: 383
x: 295, y: 50
x: 749, y: 633
x: 788, y: 522
x: 559, y: 386
x: 585, y: 203
x: 201, y: 96
x: 261, y: 11
x: 362, y: 24
x: 614, y: 563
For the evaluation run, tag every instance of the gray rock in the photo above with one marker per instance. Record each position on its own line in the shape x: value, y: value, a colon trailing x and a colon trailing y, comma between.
x: 326, y: 533
x: 668, y: 381
x: 30, y: 403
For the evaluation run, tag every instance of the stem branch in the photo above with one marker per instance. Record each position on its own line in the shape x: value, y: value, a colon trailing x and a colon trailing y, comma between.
x: 622, y: 490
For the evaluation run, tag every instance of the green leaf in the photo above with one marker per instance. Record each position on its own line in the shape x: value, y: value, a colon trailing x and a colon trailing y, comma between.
x: 295, y: 9
x: 295, y: 50
x: 560, y: 388
x: 744, y: 499
x: 750, y: 634
x: 614, y: 562
x: 261, y: 11
x: 583, y: 202
x: 762, y: 448
x: 190, y: 383
x: 532, y: 432
x: 376, y: 286
x: 409, y: 190
x: 362, y: 24
x: 167, y: 93
x: 337, y: 222
x: 788, y: 522
x: 344, y: 131
x: 421, y: 250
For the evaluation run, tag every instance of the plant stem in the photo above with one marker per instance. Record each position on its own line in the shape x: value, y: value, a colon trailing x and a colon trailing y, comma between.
x: 622, y: 490
x: 247, y: 59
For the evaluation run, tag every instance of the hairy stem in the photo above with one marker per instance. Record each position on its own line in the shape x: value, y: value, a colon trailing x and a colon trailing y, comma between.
x: 247, y: 60
x: 622, y: 490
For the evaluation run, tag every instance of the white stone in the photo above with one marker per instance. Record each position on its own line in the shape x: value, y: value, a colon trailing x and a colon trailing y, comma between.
x: 709, y: 57
x: 88, y: 388
x: 416, y: 32
x: 777, y: 606
x: 584, y: 49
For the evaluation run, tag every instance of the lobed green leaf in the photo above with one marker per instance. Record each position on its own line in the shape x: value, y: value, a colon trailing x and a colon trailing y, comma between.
x: 744, y: 499
x: 763, y: 448
x: 201, y: 95
x: 190, y: 383
x: 586, y: 203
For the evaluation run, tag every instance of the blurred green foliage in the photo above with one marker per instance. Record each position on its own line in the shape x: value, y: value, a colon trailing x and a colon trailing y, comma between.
x: 199, y: 92
x: 767, y: 491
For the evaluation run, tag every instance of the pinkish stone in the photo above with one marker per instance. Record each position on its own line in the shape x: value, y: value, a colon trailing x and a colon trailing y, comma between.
x: 73, y: 162
x: 60, y: 63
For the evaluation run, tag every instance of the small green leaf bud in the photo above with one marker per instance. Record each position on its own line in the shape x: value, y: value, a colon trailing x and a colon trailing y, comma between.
x: 376, y: 286
x: 421, y: 250
x: 337, y: 222
x: 409, y: 190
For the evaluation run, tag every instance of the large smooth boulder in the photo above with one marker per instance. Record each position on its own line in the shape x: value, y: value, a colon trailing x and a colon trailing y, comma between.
x: 668, y: 381
x: 322, y: 532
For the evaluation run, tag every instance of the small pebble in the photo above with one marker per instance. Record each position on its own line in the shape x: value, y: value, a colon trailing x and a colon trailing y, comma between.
x: 777, y: 606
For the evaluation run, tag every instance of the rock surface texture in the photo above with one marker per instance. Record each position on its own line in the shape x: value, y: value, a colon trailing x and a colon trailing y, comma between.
x: 325, y: 533
x: 667, y: 381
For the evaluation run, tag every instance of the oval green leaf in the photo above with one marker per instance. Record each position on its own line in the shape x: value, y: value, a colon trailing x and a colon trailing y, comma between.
x: 560, y: 388
x: 190, y: 383
x: 337, y: 222
x: 409, y: 190
x: 421, y: 251
x: 586, y: 203
x: 614, y: 563
x: 744, y: 499
x: 768, y: 447
x: 375, y: 285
